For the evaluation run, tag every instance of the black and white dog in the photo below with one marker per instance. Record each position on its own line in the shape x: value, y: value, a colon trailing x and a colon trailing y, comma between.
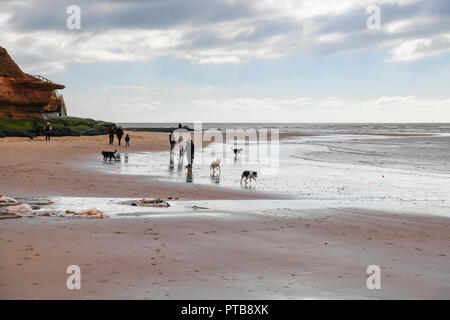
x: 110, y: 155
x: 237, y: 151
x: 249, y: 175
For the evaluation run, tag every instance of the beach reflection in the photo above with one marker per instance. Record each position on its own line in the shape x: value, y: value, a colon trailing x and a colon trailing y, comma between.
x: 215, y: 178
x: 319, y: 167
x: 189, y: 177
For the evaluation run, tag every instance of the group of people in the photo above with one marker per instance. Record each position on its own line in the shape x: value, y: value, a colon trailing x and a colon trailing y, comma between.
x: 119, y: 133
x: 113, y: 131
x: 176, y: 138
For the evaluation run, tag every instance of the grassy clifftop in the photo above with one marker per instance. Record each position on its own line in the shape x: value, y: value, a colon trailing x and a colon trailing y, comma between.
x: 64, y: 126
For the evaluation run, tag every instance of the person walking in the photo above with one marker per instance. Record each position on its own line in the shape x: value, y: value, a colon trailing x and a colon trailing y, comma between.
x: 190, y: 152
x: 111, y: 136
x: 48, y: 131
x: 181, y: 145
x: 127, y: 140
x: 119, y: 134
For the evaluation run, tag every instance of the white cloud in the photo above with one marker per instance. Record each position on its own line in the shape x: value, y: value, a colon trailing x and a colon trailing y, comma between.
x: 331, y: 109
x: 249, y: 104
x: 308, y: 9
x: 226, y: 59
x: 265, y: 29
x: 148, y: 108
x: 408, y: 25
x: 332, y: 37
x: 412, y: 50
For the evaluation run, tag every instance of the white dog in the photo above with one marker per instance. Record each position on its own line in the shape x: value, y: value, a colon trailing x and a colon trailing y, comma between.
x: 215, y: 165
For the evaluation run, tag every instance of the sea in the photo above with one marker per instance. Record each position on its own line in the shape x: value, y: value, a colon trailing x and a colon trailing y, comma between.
x: 380, y: 166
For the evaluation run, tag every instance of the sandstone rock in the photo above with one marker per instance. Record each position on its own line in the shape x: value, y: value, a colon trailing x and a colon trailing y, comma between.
x: 22, y: 95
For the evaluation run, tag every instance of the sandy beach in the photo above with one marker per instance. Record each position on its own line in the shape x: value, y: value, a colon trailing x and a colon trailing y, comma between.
x: 41, y: 168
x: 247, y: 252
x: 315, y: 254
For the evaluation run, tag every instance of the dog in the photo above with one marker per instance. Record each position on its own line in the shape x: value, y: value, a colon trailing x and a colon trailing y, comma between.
x: 110, y: 155
x: 249, y: 175
x: 215, y: 165
x: 237, y: 151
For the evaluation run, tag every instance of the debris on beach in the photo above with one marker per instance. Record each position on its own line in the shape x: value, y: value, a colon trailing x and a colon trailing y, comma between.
x: 46, y: 214
x: 91, y: 213
x: 20, y: 209
x: 198, y: 207
x: 7, y: 200
x: 151, y: 203
x: 44, y: 203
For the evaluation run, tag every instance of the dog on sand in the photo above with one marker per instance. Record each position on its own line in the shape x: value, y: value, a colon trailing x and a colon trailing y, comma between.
x: 215, y: 165
x: 249, y: 175
x: 109, y: 155
x: 237, y: 151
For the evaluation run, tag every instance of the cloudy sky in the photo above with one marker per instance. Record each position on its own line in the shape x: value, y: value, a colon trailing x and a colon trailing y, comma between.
x: 239, y: 61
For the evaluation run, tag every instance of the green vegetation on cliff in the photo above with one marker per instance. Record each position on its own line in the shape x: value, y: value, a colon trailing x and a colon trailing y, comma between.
x: 63, y: 126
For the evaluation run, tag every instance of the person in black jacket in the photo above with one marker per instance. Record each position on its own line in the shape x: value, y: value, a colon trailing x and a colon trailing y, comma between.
x: 119, y: 134
x: 190, y: 148
x: 171, y: 141
x: 48, y: 130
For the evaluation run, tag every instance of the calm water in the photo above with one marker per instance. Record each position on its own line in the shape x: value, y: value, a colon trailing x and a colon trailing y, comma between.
x: 316, y: 128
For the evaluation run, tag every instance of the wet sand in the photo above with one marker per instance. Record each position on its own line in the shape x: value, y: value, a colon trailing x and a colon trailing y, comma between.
x: 265, y: 253
x: 278, y: 255
x: 41, y: 168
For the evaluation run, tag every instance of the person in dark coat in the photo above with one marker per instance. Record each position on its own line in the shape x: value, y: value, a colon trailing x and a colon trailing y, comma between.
x: 119, y: 134
x: 127, y: 140
x: 190, y: 148
x: 171, y: 141
x: 48, y: 131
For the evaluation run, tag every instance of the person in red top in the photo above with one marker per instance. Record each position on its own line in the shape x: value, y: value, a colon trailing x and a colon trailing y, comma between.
x: 111, y: 135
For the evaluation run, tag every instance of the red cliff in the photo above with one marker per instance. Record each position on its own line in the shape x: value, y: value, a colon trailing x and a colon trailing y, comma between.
x: 22, y: 95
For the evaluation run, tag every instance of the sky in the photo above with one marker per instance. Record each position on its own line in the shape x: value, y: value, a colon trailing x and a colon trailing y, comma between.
x: 238, y: 61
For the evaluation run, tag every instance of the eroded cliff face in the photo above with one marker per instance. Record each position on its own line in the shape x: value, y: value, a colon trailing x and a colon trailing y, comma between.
x: 22, y: 95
